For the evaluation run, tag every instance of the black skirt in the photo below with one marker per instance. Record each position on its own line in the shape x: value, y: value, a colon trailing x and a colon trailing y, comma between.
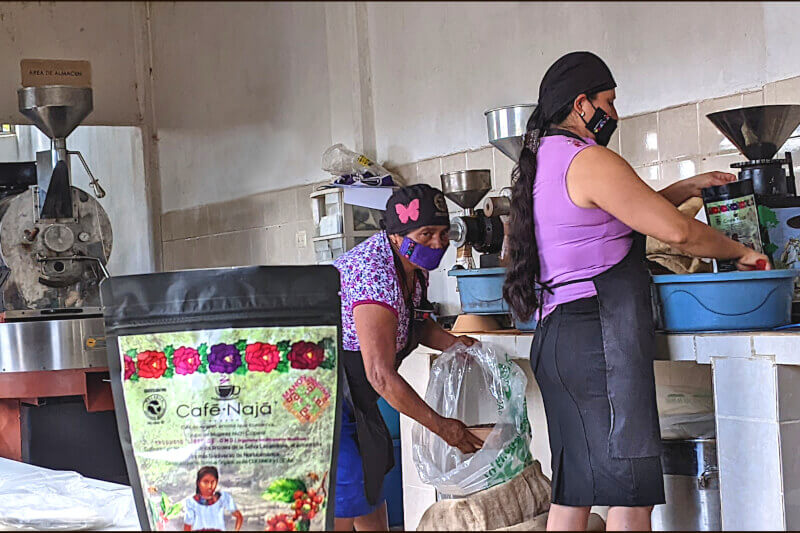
x: 569, y: 364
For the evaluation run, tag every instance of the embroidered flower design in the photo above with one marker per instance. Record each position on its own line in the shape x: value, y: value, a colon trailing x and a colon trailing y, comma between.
x: 306, y: 355
x: 151, y: 364
x: 130, y: 366
x: 262, y: 357
x: 186, y: 360
x: 224, y: 358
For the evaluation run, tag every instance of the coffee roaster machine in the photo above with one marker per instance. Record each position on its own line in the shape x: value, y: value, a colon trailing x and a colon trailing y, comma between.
x: 55, y: 242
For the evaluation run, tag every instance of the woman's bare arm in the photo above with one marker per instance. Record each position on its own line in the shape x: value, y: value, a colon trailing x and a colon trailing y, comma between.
x: 600, y: 178
x: 376, y: 328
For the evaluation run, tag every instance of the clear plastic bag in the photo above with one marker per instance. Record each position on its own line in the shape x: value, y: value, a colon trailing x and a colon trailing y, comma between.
x: 340, y: 161
x: 33, y: 498
x: 477, y: 385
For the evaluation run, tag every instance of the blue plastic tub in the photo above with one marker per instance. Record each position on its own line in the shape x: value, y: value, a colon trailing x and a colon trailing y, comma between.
x: 726, y: 301
x: 481, y: 290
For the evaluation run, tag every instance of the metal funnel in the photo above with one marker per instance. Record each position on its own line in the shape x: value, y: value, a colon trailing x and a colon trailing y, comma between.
x: 466, y: 187
x: 759, y: 131
x: 506, y: 127
x: 55, y: 109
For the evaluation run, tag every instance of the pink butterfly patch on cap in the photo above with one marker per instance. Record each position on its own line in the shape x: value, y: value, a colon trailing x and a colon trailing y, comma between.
x: 408, y: 212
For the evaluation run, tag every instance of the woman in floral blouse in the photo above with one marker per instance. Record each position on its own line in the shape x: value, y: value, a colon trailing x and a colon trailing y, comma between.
x: 385, y: 315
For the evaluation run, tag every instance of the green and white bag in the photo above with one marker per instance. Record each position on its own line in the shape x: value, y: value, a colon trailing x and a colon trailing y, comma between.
x: 478, y: 385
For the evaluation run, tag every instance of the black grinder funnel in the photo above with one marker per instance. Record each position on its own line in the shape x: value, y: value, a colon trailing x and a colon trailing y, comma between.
x: 758, y: 132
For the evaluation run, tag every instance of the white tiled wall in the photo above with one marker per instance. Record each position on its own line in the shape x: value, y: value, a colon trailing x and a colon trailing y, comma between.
x: 260, y: 229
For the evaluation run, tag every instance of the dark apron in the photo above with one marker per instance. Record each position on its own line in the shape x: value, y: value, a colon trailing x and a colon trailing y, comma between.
x: 626, y: 317
x: 374, y: 440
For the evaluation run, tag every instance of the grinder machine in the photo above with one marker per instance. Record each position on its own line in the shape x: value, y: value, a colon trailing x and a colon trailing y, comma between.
x: 484, y: 230
x: 758, y: 132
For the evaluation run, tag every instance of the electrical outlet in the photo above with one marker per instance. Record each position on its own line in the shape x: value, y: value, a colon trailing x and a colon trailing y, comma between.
x: 300, y: 239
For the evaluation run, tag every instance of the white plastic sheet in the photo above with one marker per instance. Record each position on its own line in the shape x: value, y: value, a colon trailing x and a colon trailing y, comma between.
x: 465, y: 380
x: 33, y: 498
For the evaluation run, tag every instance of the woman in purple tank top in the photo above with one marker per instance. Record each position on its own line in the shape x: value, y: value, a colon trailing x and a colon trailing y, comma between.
x: 579, y: 214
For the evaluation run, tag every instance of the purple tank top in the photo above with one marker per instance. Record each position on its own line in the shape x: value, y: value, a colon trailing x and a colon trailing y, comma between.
x: 574, y: 242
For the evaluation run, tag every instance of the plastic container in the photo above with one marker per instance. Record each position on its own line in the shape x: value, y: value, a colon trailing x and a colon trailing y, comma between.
x: 530, y: 324
x: 393, y: 489
x: 727, y: 301
x: 391, y: 417
x: 481, y: 290
x: 393, y: 482
x: 731, y: 208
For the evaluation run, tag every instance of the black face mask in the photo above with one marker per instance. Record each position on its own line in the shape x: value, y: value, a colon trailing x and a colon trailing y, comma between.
x: 602, y: 125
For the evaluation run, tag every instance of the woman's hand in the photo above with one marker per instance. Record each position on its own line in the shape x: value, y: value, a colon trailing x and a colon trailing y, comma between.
x: 465, y: 340
x: 708, y: 179
x: 752, y: 260
x: 456, y: 434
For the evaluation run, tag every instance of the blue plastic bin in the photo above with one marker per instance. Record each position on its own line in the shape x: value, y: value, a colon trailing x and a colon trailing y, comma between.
x: 391, y: 417
x: 393, y: 489
x: 726, y: 301
x: 481, y: 290
x: 529, y: 325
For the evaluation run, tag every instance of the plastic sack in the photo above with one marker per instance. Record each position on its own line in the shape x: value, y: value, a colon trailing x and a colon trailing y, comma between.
x: 685, y: 412
x: 477, y: 385
x: 340, y: 161
x: 35, y: 499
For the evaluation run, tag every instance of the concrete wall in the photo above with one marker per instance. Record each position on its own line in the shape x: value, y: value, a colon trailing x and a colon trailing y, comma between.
x: 241, y: 97
x: 102, y: 32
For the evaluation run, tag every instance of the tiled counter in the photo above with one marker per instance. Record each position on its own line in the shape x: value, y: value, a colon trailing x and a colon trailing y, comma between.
x: 756, y: 381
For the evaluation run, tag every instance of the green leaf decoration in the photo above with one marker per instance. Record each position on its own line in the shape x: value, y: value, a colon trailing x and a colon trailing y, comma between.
x: 169, y: 372
x: 241, y: 345
x: 169, y: 350
x: 203, y: 368
x: 303, y: 525
x: 283, y: 366
x: 242, y: 370
x: 165, y: 503
x: 134, y: 377
x: 174, y: 511
x: 328, y: 344
x: 767, y: 217
x: 283, y: 347
x: 203, y: 350
x: 131, y: 353
x: 327, y: 364
x: 282, y: 490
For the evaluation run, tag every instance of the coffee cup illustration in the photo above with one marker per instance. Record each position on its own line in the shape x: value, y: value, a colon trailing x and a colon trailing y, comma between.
x: 227, y: 391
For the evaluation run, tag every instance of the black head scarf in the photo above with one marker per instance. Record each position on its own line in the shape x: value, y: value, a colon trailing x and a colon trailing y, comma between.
x: 573, y: 74
x: 413, y: 207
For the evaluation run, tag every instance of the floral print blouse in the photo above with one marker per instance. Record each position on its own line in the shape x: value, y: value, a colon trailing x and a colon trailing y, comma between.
x: 368, y: 276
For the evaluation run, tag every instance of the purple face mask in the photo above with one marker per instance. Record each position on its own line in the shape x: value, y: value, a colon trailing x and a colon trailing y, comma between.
x: 421, y: 255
